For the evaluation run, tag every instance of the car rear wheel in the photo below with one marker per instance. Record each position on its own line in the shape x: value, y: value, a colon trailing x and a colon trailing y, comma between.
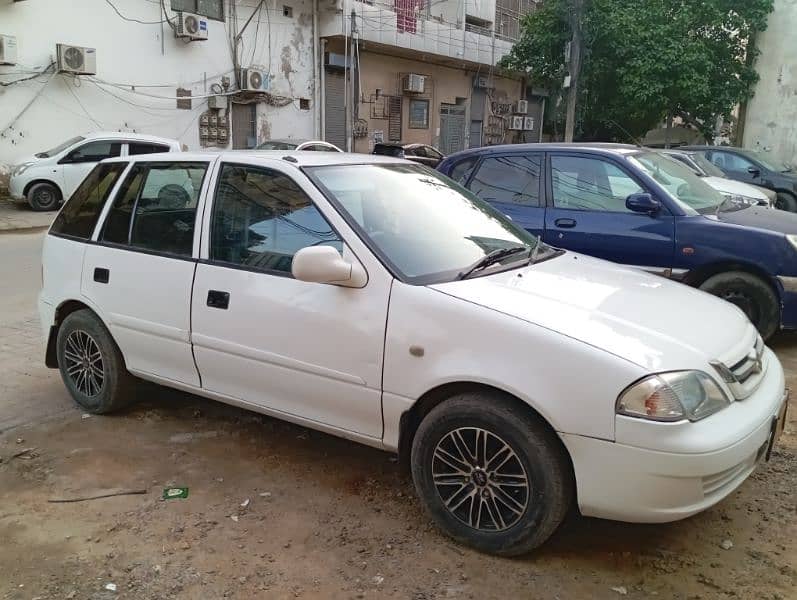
x: 44, y: 196
x: 750, y: 293
x: 91, y: 364
x: 491, y: 474
x: 786, y: 201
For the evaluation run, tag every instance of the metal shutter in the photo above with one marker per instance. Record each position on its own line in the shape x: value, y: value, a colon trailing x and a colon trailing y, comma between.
x: 335, y: 114
x: 452, y: 128
x: 394, y: 119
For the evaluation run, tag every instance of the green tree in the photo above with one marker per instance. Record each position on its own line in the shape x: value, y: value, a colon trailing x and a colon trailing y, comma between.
x: 645, y: 59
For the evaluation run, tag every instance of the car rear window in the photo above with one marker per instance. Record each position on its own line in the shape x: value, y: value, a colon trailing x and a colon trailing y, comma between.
x: 80, y: 213
x: 387, y: 150
x: 146, y: 148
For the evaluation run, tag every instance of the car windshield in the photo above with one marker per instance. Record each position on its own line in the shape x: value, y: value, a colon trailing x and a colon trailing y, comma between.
x: 689, y: 190
x: 765, y: 161
x: 276, y: 145
x: 424, y: 226
x: 60, y: 147
x: 708, y: 167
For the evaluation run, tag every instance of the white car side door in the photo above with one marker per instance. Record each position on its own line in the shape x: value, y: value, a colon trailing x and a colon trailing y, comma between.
x: 141, y: 268
x: 79, y: 162
x: 305, y: 350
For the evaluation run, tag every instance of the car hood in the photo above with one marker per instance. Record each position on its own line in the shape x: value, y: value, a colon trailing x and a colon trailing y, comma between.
x: 729, y: 186
x: 648, y: 320
x: 771, y: 219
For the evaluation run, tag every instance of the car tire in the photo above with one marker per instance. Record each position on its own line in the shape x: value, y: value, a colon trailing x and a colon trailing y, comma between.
x: 91, y: 364
x: 43, y: 197
x: 752, y: 294
x: 786, y: 201
x: 510, y: 519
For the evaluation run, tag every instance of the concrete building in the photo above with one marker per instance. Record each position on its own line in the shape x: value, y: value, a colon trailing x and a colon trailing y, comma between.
x: 424, y: 72
x: 142, y: 67
x: 771, y: 115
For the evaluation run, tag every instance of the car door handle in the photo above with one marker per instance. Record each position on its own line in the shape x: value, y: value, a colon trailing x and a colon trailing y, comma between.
x: 102, y: 275
x: 217, y: 299
x: 565, y: 223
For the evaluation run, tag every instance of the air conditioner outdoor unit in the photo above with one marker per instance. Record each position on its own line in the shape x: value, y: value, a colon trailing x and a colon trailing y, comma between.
x: 76, y: 60
x: 516, y: 123
x: 191, y: 26
x: 254, y: 80
x: 528, y: 123
x: 414, y: 83
x: 522, y: 107
x: 8, y: 50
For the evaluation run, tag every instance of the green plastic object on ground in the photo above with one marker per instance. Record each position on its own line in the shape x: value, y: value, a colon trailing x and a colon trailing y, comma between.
x: 175, y: 492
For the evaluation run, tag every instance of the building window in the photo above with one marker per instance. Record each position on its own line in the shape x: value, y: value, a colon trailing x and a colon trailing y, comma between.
x: 509, y: 16
x: 304, y: 103
x: 419, y: 114
x: 287, y: 11
x: 212, y: 9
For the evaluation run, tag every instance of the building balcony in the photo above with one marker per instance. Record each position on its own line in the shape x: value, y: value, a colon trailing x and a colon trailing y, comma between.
x: 401, y: 28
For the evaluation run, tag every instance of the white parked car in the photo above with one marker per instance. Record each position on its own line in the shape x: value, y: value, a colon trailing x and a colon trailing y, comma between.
x: 372, y: 298
x: 735, y: 191
x: 47, y: 178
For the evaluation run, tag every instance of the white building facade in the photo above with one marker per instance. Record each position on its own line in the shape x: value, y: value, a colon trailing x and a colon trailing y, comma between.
x: 142, y: 66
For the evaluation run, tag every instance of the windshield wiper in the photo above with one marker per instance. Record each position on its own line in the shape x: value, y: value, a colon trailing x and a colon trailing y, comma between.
x: 491, y: 258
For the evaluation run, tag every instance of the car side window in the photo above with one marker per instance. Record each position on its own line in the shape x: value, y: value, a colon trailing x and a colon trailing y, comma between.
x: 581, y: 183
x: 261, y: 218
x: 155, y: 208
x: 94, y: 152
x: 135, y: 148
x: 461, y: 171
x: 513, y: 179
x: 80, y: 213
x: 728, y: 161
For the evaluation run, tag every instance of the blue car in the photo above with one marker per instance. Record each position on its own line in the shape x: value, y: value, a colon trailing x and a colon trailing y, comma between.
x: 638, y: 207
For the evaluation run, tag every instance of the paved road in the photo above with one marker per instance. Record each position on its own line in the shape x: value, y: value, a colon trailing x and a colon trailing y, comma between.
x: 28, y: 390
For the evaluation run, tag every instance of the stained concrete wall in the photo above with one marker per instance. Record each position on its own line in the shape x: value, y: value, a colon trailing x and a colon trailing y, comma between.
x: 772, y: 113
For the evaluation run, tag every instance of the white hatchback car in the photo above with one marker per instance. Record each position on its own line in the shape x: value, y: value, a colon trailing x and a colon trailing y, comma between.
x: 375, y: 299
x: 47, y: 178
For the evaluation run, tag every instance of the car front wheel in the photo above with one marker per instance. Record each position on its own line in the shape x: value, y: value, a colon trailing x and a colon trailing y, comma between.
x: 491, y: 474
x: 750, y: 293
x: 44, y: 197
x: 91, y: 364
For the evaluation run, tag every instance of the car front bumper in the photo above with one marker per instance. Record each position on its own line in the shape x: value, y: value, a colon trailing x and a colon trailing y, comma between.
x: 628, y: 483
x: 16, y: 188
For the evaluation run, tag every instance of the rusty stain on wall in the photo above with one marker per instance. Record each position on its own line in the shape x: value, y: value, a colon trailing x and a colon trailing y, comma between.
x: 264, y: 129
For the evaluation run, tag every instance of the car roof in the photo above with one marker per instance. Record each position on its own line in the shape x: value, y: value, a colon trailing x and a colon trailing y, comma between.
x: 601, y: 147
x: 124, y: 135
x: 296, y: 158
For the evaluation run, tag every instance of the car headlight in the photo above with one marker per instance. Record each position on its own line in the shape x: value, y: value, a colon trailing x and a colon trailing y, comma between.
x: 673, y: 396
x: 792, y: 239
x: 19, y: 170
x: 741, y: 199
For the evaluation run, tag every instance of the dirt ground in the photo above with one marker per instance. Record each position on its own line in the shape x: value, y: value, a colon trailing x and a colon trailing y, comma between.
x: 277, y: 511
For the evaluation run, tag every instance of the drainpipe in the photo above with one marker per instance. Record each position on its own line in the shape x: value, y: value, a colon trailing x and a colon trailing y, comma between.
x: 322, y: 93
x: 316, y: 76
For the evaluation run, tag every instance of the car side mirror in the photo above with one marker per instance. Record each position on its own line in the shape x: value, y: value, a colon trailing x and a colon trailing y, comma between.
x: 643, y: 203
x: 754, y: 171
x: 324, y: 264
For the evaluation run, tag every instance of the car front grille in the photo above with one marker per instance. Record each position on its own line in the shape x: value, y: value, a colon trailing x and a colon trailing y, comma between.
x: 744, y: 376
x: 720, y: 482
